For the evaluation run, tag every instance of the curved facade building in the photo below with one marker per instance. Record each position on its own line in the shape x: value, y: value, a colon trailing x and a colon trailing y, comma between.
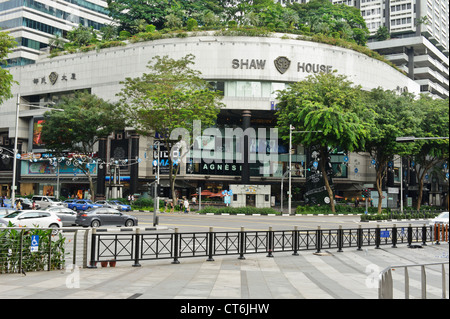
x: 249, y: 70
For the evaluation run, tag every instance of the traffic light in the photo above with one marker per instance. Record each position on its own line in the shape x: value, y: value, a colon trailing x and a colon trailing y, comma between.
x: 365, y: 193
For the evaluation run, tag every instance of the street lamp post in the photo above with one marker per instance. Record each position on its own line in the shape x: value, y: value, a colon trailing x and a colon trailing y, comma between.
x: 291, y: 130
x: 16, y: 139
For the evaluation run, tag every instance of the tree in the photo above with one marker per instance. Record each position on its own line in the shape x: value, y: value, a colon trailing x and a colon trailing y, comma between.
x: 171, y: 96
x: 84, y: 119
x: 328, y: 103
x: 394, y: 115
x: 434, y: 123
x: 6, y: 79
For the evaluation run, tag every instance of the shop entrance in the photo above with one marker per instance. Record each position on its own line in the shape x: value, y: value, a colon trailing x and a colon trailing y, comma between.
x: 250, y: 200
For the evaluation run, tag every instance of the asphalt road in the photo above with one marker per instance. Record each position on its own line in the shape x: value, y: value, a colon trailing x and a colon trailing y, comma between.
x: 201, y: 223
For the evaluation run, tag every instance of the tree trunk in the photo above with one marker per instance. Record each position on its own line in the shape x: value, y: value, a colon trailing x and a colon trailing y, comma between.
x: 379, y: 184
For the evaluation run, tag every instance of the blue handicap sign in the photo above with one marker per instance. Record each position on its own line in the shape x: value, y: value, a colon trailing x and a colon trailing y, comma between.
x: 34, y: 243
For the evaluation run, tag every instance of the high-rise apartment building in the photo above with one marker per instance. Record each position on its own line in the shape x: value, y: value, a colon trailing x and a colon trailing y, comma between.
x: 419, y: 39
x: 34, y: 22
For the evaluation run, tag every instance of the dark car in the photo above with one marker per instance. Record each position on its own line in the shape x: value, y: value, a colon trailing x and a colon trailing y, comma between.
x: 66, y: 214
x: 104, y: 216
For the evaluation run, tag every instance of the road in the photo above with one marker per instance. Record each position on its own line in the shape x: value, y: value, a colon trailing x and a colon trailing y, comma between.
x: 201, y: 223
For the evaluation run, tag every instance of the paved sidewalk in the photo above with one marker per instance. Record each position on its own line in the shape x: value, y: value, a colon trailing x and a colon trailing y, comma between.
x: 350, y: 274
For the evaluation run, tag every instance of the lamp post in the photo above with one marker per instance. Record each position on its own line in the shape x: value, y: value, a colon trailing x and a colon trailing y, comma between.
x: 291, y: 130
x: 16, y: 137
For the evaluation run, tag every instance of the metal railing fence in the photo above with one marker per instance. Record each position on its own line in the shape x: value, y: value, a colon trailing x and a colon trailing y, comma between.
x: 386, y: 282
x: 136, y: 247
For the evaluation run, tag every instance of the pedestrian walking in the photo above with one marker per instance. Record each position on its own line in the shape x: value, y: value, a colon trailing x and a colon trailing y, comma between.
x: 186, y: 206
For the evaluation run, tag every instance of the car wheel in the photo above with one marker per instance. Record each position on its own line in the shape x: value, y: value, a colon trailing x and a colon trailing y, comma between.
x: 55, y: 228
x: 95, y: 223
x: 129, y: 223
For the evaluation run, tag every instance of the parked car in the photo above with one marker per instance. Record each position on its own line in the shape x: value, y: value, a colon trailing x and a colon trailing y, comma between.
x: 5, y: 202
x: 32, y: 218
x: 67, y: 202
x: 105, y: 216
x: 442, y: 218
x: 123, y: 207
x: 66, y: 214
x: 5, y: 211
x: 114, y: 204
x: 46, y: 201
x: 82, y: 204
x: 109, y: 204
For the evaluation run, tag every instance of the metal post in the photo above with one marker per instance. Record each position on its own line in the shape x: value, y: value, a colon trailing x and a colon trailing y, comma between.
x: 424, y: 235
x: 318, y: 239
x: 295, y: 240
x: 175, y: 238
x: 241, y: 244
x: 92, y: 263
x: 289, y: 168
x: 210, y: 244
x: 394, y: 236
x: 409, y: 232
x: 49, y: 251
x: 340, y: 239
x: 270, y: 242
x: 359, y: 237
x: 13, y: 191
x: 137, y: 238
x: 424, y: 282
x: 377, y: 237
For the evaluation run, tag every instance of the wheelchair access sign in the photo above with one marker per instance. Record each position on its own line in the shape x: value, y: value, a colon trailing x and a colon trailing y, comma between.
x: 34, y: 243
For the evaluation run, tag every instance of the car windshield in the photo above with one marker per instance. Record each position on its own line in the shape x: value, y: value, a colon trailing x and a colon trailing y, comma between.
x: 13, y: 215
x: 443, y: 215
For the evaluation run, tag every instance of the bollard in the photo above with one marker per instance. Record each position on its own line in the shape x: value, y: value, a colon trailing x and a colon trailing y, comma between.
x: 424, y: 235
x: 270, y: 242
x: 210, y: 244
x: 318, y: 239
x: 359, y: 238
x: 394, y: 236
x: 409, y: 232
x: 340, y: 239
x: 437, y: 233
x: 377, y: 237
x: 175, y: 238
x: 241, y: 239
x: 295, y: 241
x: 92, y: 263
x: 137, y: 237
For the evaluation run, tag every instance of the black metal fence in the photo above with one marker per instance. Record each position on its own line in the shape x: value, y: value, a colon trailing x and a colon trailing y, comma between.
x: 138, y: 246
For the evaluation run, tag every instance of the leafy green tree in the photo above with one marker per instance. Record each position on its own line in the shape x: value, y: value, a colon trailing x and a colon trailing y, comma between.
x: 394, y: 115
x: 328, y: 103
x: 339, y: 18
x: 6, y: 79
x: 82, y: 36
x: 171, y: 96
x: 78, y: 124
x: 434, y: 123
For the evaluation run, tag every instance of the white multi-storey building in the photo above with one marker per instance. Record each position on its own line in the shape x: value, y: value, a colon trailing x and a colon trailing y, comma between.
x: 419, y: 39
x: 34, y: 22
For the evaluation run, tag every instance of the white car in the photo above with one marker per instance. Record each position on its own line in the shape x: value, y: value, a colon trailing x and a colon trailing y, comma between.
x: 32, y: 218
x: 442, y: 218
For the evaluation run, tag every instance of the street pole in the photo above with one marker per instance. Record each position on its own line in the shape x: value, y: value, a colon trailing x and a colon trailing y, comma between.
x: 401, y: 185
x: 13, y: 194
x: 289, y: 168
